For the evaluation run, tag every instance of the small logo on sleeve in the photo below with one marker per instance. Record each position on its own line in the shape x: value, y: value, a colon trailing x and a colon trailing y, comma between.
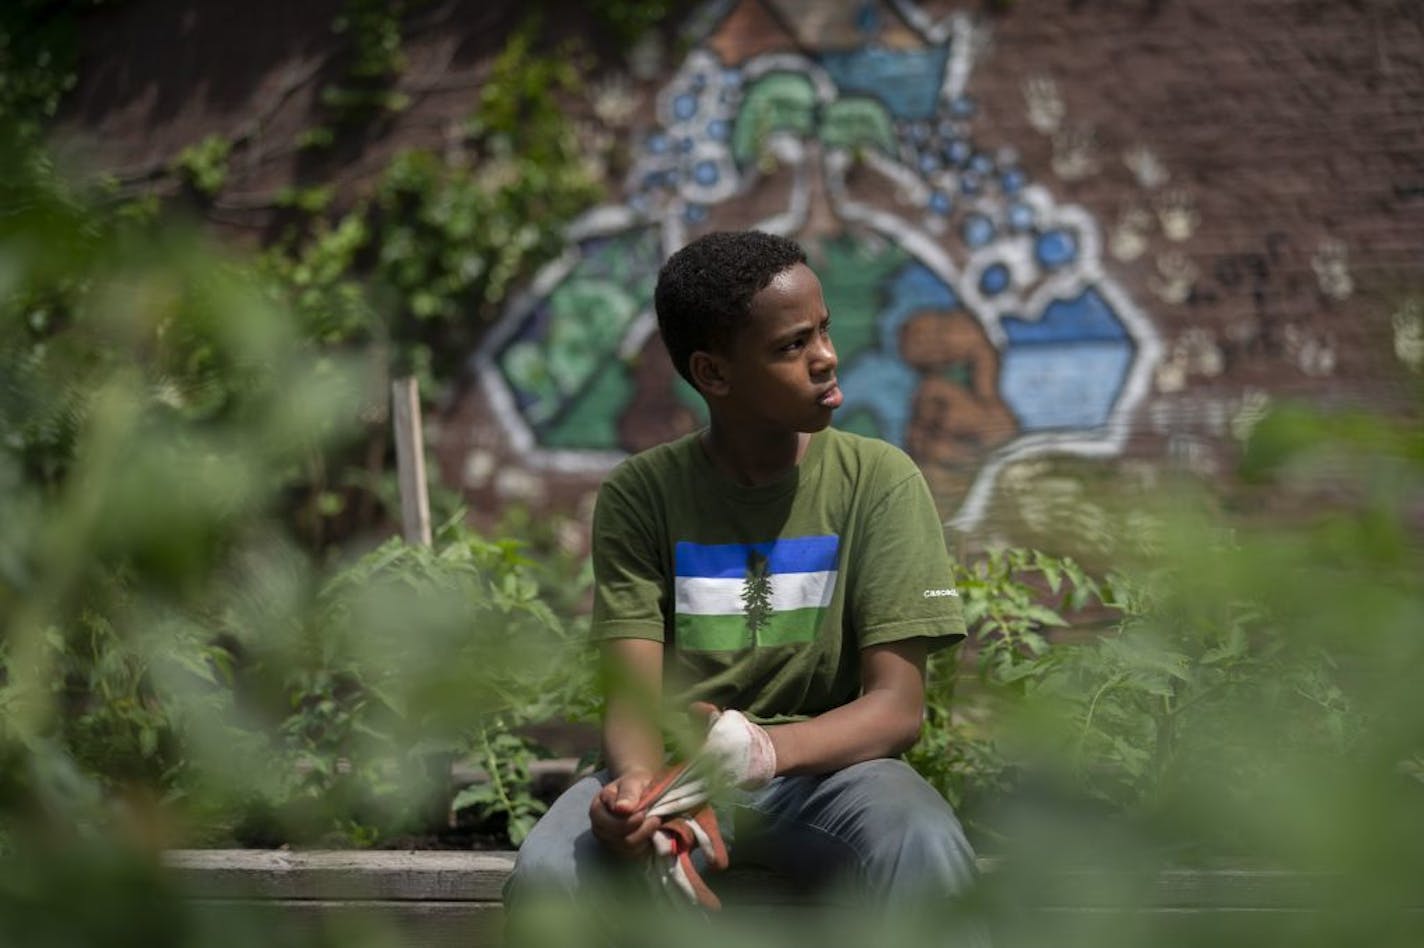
x: 936, y: 593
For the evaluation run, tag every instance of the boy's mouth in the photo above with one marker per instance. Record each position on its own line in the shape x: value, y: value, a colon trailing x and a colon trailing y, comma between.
x: 831, y: 397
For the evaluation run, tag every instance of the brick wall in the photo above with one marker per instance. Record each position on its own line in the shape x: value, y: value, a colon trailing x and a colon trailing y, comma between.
x: 1059, y: 237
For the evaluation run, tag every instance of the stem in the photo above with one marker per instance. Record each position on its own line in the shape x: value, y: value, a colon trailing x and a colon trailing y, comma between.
x: 1093, y: 707
x: 492, y: 768
x: 1166, y: 737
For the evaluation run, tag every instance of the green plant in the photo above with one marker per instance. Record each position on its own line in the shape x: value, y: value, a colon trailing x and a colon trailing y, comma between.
x: 1011, y: 598
x: 1255, y: 662
x: 317, y: 280
x: 629, y: 20
x: 38, y: 55
x: 404, y: 660
x: 444, y: 239
x: 374, y: 60
x: 204, y: 165
x: 506, y: 795
x: 453, y: 237
x: 152, y: 404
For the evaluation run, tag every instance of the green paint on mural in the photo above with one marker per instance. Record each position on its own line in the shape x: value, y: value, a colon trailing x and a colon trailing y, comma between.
x: 852, y: 278
x: 591, y: 421
x: 587, y: 320
x: 524, y: 365
x: 630, y: 261
x: 860, y: 422
x: 778, y: 101
x: 857, y: 123
x: 589, y: 317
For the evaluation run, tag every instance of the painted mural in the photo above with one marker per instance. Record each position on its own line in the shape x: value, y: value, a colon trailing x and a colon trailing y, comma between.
x: 974, y: 323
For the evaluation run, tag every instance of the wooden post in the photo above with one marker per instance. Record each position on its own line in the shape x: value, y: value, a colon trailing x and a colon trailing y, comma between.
x: 410, y: 460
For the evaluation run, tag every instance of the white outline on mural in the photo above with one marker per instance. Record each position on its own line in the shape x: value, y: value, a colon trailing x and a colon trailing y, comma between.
x: 706, y: 172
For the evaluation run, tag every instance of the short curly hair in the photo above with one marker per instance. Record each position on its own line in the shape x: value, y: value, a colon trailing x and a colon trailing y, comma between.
x: 705, y: 290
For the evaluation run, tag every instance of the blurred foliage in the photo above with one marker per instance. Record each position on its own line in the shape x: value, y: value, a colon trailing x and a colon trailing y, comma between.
x: 1011, y: 598
x: 629, y: 20
x: 173, y: 666
x: 374, y: 60
x: 1255, y: 627
x: 203, y: 166
x: 403, y: 661
x: 38, y: 53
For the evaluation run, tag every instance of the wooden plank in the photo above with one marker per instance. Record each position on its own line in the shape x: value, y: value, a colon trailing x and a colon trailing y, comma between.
x: 341, y: 875
x: 410, y: 460
x: 478, y: 877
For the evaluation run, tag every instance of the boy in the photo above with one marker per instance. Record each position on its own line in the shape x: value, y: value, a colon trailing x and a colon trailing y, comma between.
x: 770, y: 565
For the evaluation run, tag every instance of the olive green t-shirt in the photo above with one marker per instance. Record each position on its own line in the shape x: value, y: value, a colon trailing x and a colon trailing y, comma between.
x: 764, y: 596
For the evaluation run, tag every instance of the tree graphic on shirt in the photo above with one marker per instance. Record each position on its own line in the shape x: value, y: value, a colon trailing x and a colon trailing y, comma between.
x: 756, y: 592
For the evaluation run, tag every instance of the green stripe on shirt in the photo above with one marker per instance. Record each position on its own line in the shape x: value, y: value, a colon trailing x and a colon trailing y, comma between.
x: 729, y: 633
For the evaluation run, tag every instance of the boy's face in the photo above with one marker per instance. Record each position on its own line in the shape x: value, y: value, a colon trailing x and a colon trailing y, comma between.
x: 781, y: 367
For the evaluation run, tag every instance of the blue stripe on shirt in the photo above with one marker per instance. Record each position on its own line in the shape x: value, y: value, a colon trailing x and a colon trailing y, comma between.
x: 729, y: 560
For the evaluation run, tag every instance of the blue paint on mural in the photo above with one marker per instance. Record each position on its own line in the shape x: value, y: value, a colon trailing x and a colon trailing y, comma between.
x: 882, y: 384
x: 1065, y: 370
x: 916, y: 287
x: 1087, y: 318
x: 994, y: 280
x: 1020, y: 217
x: 878, y: 380
x: 1055, y: 249
x: 867, y: 19
x: 1066, y: 386
x: 978, y: 230
x: 906, y: 81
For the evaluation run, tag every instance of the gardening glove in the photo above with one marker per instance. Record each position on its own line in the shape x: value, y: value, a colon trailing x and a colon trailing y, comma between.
x: 671, y: 865
x: 738, y: 751
x: 735, y: 753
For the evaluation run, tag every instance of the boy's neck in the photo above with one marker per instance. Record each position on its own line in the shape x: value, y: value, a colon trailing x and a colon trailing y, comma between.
x: 752, y: 459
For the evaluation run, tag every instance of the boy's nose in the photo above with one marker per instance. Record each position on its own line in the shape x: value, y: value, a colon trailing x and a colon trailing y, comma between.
x: 823, y: 356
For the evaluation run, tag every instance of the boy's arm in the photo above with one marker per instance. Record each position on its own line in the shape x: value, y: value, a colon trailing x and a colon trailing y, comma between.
x: 633, y: 676
x: 884, y: 721
x: 632, y: 744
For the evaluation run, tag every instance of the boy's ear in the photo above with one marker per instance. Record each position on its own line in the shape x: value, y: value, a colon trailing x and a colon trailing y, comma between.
x: 709, y: 372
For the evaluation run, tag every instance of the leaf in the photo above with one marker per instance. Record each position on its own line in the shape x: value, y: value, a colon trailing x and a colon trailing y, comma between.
x: 519, y: 827
x: 1049, y: 567
x: 475, y: 795
x: 1043, y: 615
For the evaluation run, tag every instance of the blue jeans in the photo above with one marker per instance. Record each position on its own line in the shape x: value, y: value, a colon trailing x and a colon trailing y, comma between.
x: 875, y: 830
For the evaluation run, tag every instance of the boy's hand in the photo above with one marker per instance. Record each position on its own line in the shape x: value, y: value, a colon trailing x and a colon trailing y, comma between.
x: 617, y: 823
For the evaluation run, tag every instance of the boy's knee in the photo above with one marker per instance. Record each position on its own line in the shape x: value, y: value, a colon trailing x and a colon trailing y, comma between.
x: 910, y: 834
x: 537, y: 870
x: 891, y: 794
x: 558, y: 850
